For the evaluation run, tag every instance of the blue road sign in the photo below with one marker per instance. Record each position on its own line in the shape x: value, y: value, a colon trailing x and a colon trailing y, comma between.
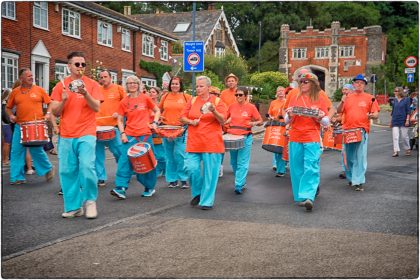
x: 194, y: 56
x: 410, y: 78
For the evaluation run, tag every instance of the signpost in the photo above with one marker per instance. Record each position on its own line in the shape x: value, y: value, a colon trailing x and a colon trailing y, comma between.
x: 410, y: 78
x: 194, y: 56
x: 411, y: 62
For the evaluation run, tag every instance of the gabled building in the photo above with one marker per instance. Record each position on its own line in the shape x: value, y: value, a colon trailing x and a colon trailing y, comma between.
x: 40, y: 35
x: 211, y: 27
x: 335, y: 55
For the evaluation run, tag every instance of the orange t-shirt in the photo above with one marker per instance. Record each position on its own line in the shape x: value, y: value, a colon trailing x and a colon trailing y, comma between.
x: 112, y: 97
x: 28, y: 104
x: 275, y: 109
x: 241, y: 115
x: 306, y: 129
x: 356, y: 107
x: 137, y: 110
x: 171, y: 106
x: 228, y: 96
x: 295, y: 91
x: 77, y: 118
x: 206, y: 137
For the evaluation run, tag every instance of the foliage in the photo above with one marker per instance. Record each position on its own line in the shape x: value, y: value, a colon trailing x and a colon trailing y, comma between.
x: 338, y: 94
x: 215, y: 80
x: 156, y: 69
x: 267, y: 82
x: 269, y: 60
x: 52, y: 85
x: 177, y: 48
x: 385, y: 108
x: 96, y: 70
x: 229, y: 63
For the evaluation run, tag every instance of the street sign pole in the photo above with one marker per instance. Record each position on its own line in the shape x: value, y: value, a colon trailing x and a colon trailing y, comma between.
x: 193, y: 39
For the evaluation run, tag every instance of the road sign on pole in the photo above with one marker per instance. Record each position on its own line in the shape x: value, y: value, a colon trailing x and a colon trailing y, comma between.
x: 410, y: 70
x: 194, y: 56
x: 410, y: 61
x: 410, y: 77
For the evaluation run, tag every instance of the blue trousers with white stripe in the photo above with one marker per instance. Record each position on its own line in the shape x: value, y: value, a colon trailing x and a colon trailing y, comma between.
x: 356, y: 155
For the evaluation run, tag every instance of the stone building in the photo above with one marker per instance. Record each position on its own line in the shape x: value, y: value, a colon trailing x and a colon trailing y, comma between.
x: 335, y: 55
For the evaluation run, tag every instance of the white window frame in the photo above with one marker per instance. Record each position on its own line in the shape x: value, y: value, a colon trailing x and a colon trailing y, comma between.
x: 9, y: 69
x: 322, y: 52
x: 61, y: 71
x: 125, y: 40
x: 147, y: 45
x: 219, y: 52
x: 126, y: 73
x: 9, y: 10
x: 148, y: 82
x: 73, y: 28
x: 41, y: 14
x: 299, y: 53
x: 182, y: 27
x: 114, y: 77
x: 346, y: 51
x: 164, y: 55
x: 104, y: 33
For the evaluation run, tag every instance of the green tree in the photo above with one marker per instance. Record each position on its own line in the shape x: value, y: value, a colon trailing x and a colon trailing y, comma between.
x: 268, y: 83
x: 229, y: 63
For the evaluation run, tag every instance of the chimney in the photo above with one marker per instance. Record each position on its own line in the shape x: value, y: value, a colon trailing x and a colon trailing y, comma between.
x: 211, y: 7
x: 127, y: 10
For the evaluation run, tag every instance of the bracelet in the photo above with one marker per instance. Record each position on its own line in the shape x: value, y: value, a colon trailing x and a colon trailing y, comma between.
x: 122, y: 132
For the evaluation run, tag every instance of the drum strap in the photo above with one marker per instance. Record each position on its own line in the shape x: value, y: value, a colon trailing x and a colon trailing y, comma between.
x: 144, y: 140
x: 240, y: 127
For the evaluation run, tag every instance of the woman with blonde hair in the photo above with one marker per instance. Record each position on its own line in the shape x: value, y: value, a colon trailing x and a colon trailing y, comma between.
x: 400, y: 121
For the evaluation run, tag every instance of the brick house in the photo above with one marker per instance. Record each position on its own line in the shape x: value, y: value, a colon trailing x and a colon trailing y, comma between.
x: 335, y: 55
x: 39, y: 35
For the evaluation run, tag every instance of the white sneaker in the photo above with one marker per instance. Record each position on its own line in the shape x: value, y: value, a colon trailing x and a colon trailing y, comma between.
x: 30, y: 172
x: 75, y: 213
x: 221, y: 171
x: 91, y: 212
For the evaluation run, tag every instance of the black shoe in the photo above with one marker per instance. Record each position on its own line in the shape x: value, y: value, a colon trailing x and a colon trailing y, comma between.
x: 279, y: 174
x: 342, y: 175
x: 309, y: 205
x: 195, y: 200
x: 358, y: 188
x: 206, y: 207
x: 60, y: 192
x: 173, y: 185
x: 101, y: 183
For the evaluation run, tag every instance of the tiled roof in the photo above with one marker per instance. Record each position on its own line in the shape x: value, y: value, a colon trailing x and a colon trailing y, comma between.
x: 204, y: 23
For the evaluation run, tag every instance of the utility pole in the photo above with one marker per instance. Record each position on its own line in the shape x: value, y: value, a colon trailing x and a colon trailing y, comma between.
x: 259, y: 48
x: 193, y: 39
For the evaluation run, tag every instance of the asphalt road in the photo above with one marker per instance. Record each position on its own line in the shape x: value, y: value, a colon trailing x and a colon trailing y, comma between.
x: 261, y: 234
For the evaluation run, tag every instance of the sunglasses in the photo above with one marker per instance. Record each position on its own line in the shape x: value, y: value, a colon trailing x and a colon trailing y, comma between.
x: 78, y: 64
x: 239, y: 94
x: 305, y: 82
x: 131, y: 83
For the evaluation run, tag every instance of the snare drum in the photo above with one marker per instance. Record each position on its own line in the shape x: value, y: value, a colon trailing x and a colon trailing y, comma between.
x: 233, y: 142
x: 274, y: 137
x: 141, y: 158
x: 285, y: 155
x: 352, y: 135
x: 34, y: 133
x: 338, y: 139
x: 105, y: 133
x: 328, y: 139
x: 169, y: 131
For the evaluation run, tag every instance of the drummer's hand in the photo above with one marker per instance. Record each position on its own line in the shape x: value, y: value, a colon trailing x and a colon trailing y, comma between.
x: 212, y: 108
x: 64, y: 95
x: 194, y: 122
x: 82, y: 90
x: 12, y: 118
x: 124, y: 138
x: 289, y: 112
x: 47, y: 116
x: 321, y: 114
x: 343, y: 98
x: 115, y: 115
x: 153, y: 125
x: 227, y: 121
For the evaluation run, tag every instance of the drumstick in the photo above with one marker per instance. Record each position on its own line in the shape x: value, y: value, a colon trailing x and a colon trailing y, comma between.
x: 371, y: 104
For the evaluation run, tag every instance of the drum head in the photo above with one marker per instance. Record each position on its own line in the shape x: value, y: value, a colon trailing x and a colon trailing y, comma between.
x: 138, y: 149
x: 229, y: 136
x: 104, y: 128
x: 168, y: 127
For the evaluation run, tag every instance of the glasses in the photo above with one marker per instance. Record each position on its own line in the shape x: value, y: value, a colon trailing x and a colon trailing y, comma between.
x: 239, y: 94
x: 305, y: 82
x: 131, y: 83
x: 78, y: 64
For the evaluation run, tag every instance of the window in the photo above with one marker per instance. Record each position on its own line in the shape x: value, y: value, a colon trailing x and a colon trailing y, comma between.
x: 71, y: 23
x: 114, y: 77
x: 322, y: 52
x: 41, y: 14
x: 8, y: 10
x: 219, y: 52
x: 9, y: 69
x: 347, y: 51
x: 164, y: 50
x: 125, y: 75
x: 104, y: 33
x: 61, y: 71
x: 299, y: 53
x: 182, y: 27
x: 125, y: 39
x: 147, y: 46
x: 148, y: 82
x: 218, y: 32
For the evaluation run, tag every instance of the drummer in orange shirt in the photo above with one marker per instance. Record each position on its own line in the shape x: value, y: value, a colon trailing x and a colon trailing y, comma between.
x: 136, y: 109
x: 107, y: 118
x: 304, y: 143
x: 28, y: 100
x: 171, y: 106
x: 242, y: 116
x: 77, y: 107
x: 204, y: 143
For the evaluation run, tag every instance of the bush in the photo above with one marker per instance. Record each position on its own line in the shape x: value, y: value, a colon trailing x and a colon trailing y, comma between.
x: 229, y: 63
x: 267, y: 82
x: 337, y: 95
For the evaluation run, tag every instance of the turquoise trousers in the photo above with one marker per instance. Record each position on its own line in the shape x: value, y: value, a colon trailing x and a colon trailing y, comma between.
x: 115, y: 146
x: 239, y: 160
x: 175, y: 158
x: 356, y: 155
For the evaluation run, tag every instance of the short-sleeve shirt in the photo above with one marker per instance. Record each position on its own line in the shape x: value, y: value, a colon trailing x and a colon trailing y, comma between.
x: 356, y: 108
x: 28, y: 103
x: 112, y: 98
x: 77, y: 118
x: 137, y: 111
x: 295, y: 91
x: 241, y: 115
x: 306, y: 129
x: 228, y: 96
x: 206, y: 137
x: 276, y: 106
x: 172, y: 105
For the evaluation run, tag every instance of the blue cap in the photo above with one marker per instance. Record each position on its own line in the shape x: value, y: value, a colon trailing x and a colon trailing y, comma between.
x: 360, y: 77
x: 348, y: 86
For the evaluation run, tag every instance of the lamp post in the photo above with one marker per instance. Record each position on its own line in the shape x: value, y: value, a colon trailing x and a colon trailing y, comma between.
x: 259, y: 48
